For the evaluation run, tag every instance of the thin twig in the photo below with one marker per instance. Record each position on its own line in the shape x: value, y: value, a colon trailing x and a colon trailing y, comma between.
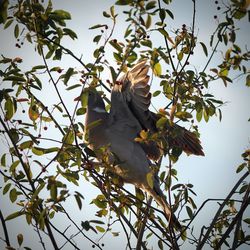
x: 201, y: 244
x: 5, y: 230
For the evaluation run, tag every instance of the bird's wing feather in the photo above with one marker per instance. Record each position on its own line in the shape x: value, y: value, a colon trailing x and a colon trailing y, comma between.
x: 134, y: 88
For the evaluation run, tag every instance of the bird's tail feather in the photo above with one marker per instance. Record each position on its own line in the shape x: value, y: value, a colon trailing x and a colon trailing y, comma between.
x: 160, y: 199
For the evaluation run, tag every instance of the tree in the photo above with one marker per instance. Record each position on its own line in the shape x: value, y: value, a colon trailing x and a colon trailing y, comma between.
x: 42, y: 168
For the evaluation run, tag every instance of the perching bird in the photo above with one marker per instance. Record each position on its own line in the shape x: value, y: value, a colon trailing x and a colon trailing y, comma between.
x: 129, y: 115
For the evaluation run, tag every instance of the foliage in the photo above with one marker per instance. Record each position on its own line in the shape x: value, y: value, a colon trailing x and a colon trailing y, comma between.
x: 39, y: 166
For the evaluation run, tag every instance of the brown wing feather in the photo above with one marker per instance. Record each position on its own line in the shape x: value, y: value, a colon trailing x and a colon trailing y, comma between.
x: 136, y: 89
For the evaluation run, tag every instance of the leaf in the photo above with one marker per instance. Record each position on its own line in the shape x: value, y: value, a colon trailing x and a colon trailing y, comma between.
x: 69, y: 137
x: 100, y: 229
x: 8, y: 23
x: 156, y: 93
x: 124, y: 2
x: 247, y: 220
x: 116, y: 45
x: 97, y: 26
x: 150, y: 179
x: 20, y: 239
x: 9, y: 108
x: 157, y: 69
x: 6, y: 188
x: 14, y: 215
x: 148, y: 21
x: 97, y: 38
x: 183, y: 115
x: 26, y: 144
x: 241, y: 167
x: 60, y: 14
x: 78, y: 201
x: 16, y: 31
x: 204, y: 48
x: 160, y: 244
x: 33, y: 112
x: 13, y: 195
x: 68, y: 74
x: 14, y: 165
x: 189, y: 212
x: 248, y: 81
x: 3, y: 160
x: 161, y: 122
x: 146, y: 43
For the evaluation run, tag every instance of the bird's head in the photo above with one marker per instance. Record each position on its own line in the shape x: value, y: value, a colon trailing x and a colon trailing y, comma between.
x: 95, y: 101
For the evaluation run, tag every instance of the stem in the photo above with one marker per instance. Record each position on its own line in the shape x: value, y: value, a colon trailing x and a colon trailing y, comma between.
x: 206, y: 236
x: 5, y: 229
x: 30, y: 181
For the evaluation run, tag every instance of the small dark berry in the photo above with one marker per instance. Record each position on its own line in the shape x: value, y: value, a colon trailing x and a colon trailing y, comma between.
x: 39, y: 135
x: 45, y: 128
x: 23, y: 111
x: 215, y: 17
x: 102, y: 244
x: 19, y: 121
x: 218, y: 8
x: 93, y: 246
x: 21, y: 43
x: 216, y: 2
x: 102, y: 31
x: 115, y: 41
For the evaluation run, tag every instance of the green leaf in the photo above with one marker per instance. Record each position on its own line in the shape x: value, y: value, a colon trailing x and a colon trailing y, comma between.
x: 150, y: 5
x: 70, y: 33
x: 68, y: 74
x: 241, y: 167
x: 146, y: 43
x: 6, y: 188
x: 26, y: 144
x: 9, y: 108
x: 14, y: 215
x: 84, y: 99
x: 124, y: 2
x: 69, y: 137
x: 60, y: 14
x: 3, y: 11
x: 74, y: 86
x: 13, y: 195
x: 204, y: 48
x: 161, y: 122
x: 160, y: 244
x: 97, y: 38
x: 116, y: 45
x: 100, y: 229
x: 14, y: 165
x: 148, y: 21
x: 14, y: 78
x: 16, y: 31
x: 150, y: 179
x: 3, y: 160
x: 156, y: 93
x: 97, y: 26
x: 183, y: 115
x: 78, y: 201
x: 8, y: 23
x: 247, y: 220
x: 189, y: 212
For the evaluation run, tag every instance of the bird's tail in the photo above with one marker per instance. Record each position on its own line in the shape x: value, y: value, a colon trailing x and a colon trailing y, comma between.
x: 160, y: 199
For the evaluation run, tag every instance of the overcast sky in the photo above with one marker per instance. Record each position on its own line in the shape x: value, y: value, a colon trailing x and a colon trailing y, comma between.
x: 223, y: 142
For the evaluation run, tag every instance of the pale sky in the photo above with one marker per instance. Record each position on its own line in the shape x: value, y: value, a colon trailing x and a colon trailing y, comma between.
x: 223, y: 142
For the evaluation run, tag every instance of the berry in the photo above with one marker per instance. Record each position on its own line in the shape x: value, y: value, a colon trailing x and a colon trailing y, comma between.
x: 45, y: 128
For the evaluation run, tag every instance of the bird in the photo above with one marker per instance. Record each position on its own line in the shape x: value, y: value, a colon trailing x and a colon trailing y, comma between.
x: 118, y: 129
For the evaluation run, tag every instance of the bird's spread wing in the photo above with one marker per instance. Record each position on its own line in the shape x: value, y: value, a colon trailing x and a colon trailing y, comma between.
x: 134, y: 89
x: 135, y: 92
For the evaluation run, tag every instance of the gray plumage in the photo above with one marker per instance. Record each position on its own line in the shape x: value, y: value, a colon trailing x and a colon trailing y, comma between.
x: 129, y: 114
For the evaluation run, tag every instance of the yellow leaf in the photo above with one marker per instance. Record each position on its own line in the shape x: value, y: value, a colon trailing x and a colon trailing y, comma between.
x: 157, y: 69
x: 150, y: 179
